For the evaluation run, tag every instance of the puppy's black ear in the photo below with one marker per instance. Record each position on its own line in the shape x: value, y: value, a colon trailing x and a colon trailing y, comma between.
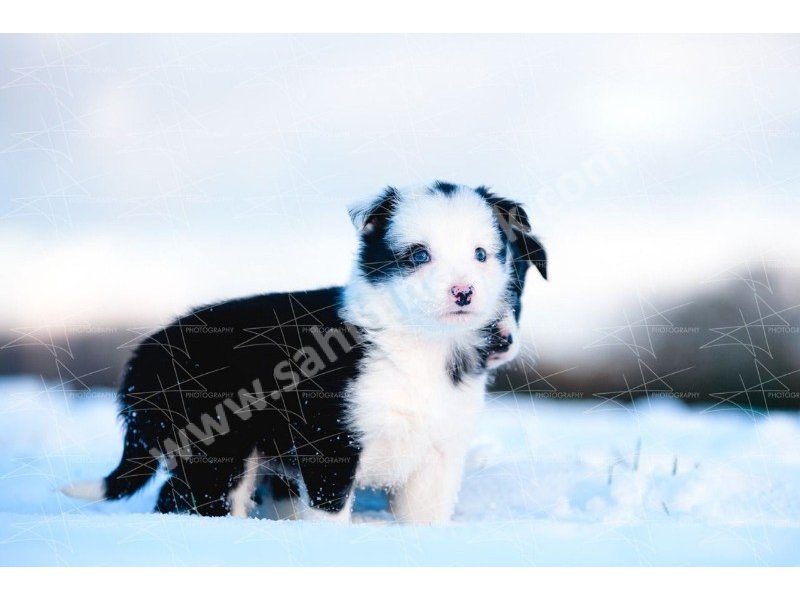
x: 509, y: 214
x: 527, y: 247
x: 516, y: 225
x: 374, y: 214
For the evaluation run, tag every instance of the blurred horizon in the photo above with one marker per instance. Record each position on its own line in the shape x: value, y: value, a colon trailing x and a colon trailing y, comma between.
x: 141, y: 175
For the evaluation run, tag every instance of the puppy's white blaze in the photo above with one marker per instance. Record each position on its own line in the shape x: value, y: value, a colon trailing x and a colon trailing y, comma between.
x: 454, y: 223
x: 93, y: 491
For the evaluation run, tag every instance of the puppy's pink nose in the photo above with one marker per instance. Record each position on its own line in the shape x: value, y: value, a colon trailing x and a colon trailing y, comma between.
x: 462, y: 292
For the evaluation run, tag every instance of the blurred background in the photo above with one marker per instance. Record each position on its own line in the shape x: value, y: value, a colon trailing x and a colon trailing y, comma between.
x: 143, y: 175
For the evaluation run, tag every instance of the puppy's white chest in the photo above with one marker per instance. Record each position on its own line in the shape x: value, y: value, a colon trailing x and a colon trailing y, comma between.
x: 408, y: 411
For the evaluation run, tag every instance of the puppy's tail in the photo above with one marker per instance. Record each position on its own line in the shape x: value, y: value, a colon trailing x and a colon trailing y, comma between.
x: 136, y: 467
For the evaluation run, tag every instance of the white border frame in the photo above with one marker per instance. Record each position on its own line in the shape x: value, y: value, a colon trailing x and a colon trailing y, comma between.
x: 425, y: 16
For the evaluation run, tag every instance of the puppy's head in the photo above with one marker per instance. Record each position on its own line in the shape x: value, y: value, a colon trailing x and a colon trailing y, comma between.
x: 524, y: 250
x: 434, y: 258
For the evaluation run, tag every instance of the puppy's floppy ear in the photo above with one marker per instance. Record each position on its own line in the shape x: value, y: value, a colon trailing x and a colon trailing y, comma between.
x: 527, y: 247
x: 516, y: 225
x: 510, y: 215
x: 374, y: 214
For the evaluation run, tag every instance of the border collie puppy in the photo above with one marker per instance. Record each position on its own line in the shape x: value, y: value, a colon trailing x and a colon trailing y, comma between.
x: 375, y: 384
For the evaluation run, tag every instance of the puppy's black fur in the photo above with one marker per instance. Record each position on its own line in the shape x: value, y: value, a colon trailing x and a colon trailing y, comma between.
x: 204, y: 370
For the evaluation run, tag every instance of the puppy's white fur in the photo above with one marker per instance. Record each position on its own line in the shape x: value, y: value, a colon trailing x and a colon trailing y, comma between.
x: 414, y: 423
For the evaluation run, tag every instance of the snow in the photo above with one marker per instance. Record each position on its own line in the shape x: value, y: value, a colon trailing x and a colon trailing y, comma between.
x: 548, y: 483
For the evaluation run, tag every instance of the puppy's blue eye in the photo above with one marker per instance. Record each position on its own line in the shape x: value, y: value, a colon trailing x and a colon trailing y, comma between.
x: 420, y: 256
x: 480, y: 254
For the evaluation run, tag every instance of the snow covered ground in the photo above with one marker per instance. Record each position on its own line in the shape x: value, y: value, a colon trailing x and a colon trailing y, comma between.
x: 549, y: 483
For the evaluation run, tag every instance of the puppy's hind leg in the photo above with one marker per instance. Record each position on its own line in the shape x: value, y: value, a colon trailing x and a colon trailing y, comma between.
x: 284, y: 501
x: 201, y: 488
x: 176, y: 497
x: 329, y: 481
x: 240, y: 498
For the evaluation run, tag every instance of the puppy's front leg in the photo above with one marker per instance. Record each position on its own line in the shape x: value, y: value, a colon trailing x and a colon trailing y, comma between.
x: 430, y: 494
